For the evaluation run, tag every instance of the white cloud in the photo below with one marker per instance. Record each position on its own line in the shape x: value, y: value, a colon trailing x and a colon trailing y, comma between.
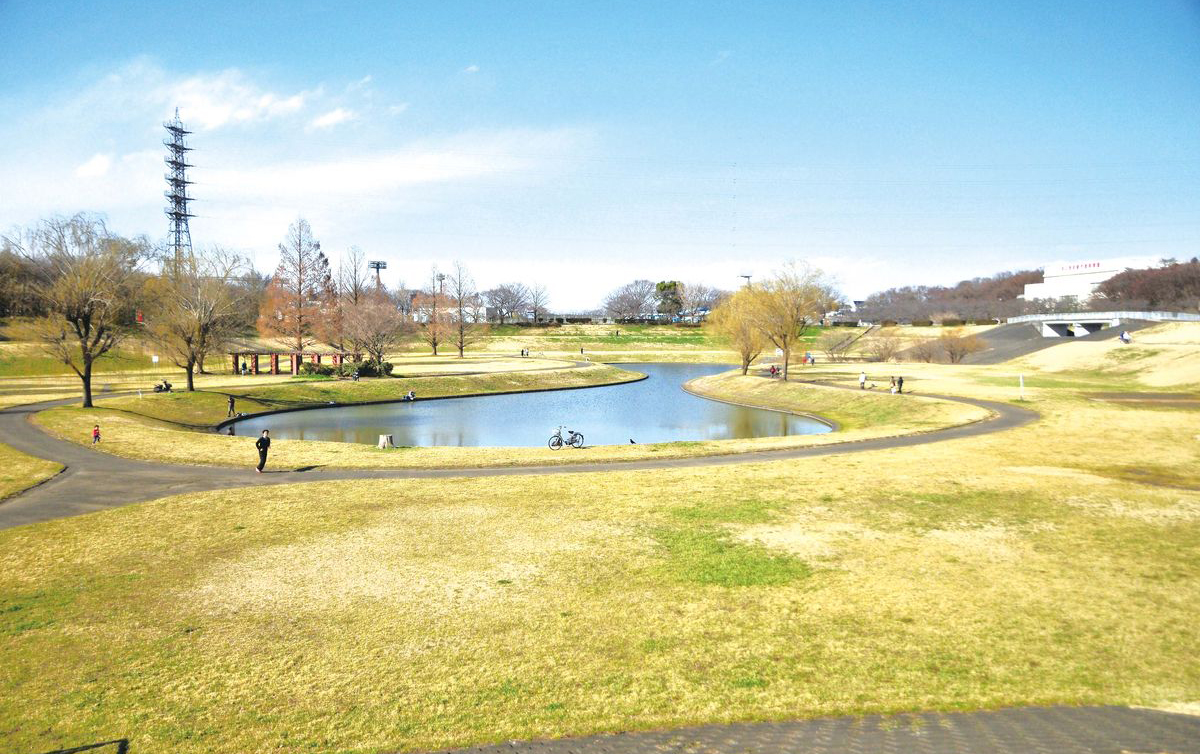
x: 97, y: 166
x: 721, y: 57
x: 398, y: 108
x: 471, y: 69
x: 332, y: 118
x: 210, y: 101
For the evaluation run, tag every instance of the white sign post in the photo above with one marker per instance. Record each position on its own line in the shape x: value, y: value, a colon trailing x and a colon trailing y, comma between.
x: 1022, y: 379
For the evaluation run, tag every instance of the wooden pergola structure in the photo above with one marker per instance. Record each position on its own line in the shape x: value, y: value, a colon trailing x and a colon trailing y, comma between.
x: 294, y: 358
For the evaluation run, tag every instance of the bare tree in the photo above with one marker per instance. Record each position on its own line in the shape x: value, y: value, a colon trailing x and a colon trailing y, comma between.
x: 352, y: 279
x: 300, y: 296
x: 957, y: 345
x: 833, y: 343
x: 509, y: 300
x: 195, y: 306
x: 697, y: 298
x: 373, y: 324
x: 925, y: 350
x: 539, y: 301
x: 632, y: 300
x: 88, y: 282
x: 465, y: 306
x: 733, y: 319
x: 430, y: 309
x: 788, y: 303
x: 883, y: 347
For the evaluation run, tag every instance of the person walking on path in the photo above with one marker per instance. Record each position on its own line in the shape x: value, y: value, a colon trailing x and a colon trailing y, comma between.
x: 263, y: 444
x: 862, y: 380
x: 899, y: 384
x: 231, y: 412
x: 95, y: 434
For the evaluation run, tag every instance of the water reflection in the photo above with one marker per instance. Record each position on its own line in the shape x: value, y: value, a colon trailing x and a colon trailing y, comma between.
x: 653, y: 410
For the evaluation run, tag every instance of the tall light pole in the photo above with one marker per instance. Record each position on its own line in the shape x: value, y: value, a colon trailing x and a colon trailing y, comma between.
x: 377, y: 266
x: 747, y: 277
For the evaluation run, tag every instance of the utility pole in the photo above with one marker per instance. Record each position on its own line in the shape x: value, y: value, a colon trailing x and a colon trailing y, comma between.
x: 747, y: 277
x: 177, y: 193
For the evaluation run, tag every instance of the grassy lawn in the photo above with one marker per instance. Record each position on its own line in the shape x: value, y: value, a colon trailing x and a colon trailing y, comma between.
x: 19, y: 471
x: 1036, y: 566
x: 139, y: 428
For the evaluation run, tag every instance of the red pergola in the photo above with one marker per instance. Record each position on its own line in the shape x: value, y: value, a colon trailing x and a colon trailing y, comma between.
x: 295, y: 359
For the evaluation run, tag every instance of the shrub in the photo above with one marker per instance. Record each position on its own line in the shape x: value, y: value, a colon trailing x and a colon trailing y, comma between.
x: 952, y: 323
x: 322, y: 369
x: 922, y: 323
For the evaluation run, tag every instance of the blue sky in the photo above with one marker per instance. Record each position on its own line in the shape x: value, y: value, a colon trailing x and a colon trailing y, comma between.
x: 581, y: 145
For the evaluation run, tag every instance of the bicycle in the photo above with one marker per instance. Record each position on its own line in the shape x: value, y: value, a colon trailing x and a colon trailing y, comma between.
x: 573, y: 438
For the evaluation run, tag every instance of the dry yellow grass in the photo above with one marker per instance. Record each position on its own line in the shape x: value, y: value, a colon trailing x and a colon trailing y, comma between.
x: 1019, y: 568
x: 863, y: 416
x: 19, y: 471
x: 1163, y: 356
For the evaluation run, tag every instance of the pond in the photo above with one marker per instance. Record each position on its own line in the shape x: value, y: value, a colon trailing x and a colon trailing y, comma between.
x: 656, y: 409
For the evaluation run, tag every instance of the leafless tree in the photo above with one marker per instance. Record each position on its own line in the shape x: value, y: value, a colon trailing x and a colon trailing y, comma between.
x: 509, y: 300
x: 352, y: 279
x: 632, y: 300
x: 925, y: 350
x: 539, y: 301
x: 194, y: 307
x: 88, y: 282
x: 697, y: 298
x: 373, y: 324
x: 431, y: 311
x: 466, y: 308
x: 883, y: 347
x: 833, y: 343
x: 958, y: 345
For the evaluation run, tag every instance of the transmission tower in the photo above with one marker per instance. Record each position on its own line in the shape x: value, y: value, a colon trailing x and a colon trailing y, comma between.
x: 177, y: 193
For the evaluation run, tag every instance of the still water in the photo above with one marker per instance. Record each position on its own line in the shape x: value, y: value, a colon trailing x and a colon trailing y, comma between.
x: 653, y: 410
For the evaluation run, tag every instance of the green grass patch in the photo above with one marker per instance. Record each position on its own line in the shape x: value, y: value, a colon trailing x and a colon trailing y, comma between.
x: 710, y: 557
x: 751, y: 511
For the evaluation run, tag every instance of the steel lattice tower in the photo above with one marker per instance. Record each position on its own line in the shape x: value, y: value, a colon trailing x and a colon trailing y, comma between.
x: 177, y: 193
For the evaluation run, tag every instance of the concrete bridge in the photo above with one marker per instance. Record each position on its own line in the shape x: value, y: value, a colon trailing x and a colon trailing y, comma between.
x: 1078, y: 324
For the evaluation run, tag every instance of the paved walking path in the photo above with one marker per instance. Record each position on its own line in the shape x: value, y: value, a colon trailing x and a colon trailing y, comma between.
x: 1024, y: 730
x: 95, y: 480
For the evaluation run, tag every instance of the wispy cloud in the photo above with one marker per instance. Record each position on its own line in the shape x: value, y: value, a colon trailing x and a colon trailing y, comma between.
x: 333, y: 118
x: 471, y: 69
x: 216, y: 100
x: 721, y: 57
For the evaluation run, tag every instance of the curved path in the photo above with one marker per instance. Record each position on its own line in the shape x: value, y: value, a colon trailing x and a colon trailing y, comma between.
x: 95, y: 480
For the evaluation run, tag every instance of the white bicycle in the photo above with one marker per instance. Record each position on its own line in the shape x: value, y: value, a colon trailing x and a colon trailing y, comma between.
x: 573, y: 438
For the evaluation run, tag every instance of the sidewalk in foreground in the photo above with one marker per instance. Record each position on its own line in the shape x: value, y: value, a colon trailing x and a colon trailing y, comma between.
x: 1025, y: 730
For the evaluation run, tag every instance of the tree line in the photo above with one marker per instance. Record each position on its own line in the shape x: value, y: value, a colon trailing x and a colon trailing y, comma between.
x: 1172, y: 285
x: 83, y: 290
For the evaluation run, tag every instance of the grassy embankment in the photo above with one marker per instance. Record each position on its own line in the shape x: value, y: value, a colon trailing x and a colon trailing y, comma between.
x: 1052, y: 564
x: 135, y: 427
x: 19, y: 471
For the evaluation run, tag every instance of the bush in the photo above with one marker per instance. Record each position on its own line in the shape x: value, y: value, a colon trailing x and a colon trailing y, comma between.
x: 952, y: 323
x: 888, y: 323
x: 322, y: 369
x: 366, y: 368
x: 922, y: 323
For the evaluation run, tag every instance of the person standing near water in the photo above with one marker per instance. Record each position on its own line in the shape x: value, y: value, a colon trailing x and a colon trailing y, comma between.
x: 263, y: 444
x: 231, y: 411
x: 899, y: 384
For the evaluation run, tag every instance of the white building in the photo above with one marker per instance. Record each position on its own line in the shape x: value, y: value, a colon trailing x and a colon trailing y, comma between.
x: 1080, y: 279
